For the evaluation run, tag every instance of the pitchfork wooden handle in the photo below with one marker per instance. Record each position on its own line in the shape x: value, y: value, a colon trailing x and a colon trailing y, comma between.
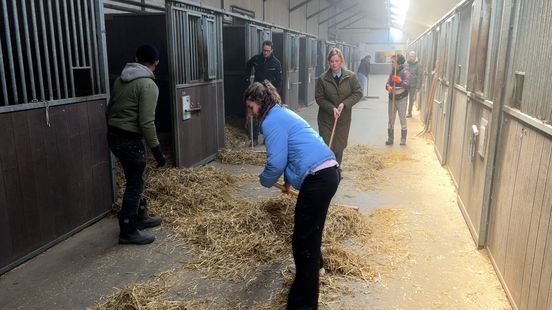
x: 333, y: 132
x: 283, y: 188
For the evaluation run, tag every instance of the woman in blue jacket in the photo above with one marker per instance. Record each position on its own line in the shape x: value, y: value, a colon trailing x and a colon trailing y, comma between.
x: 294, y: 149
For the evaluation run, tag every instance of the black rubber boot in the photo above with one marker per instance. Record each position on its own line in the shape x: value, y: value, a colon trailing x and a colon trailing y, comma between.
x: 403, y: 137
x: 144, y: 220
x: 130, y: 234
x: 390, y: 134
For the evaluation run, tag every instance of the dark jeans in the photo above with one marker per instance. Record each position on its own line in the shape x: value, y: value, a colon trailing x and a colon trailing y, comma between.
x: 310, y: 215
x: 132, y: 155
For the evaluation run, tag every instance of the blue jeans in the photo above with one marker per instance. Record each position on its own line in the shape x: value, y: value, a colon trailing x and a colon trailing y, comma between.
x: 311, y: 209
x: 132, y: 155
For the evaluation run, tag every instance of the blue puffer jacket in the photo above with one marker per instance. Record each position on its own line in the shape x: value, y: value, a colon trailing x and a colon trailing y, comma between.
x: 292, y: 148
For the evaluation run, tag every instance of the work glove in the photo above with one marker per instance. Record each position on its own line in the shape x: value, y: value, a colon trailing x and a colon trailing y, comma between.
x: 389, y: 88
x: 396, y: 79
x: 159, y: 157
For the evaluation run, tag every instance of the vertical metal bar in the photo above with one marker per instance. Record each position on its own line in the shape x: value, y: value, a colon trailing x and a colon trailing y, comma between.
x: 20, y: 58
x: 54, y: 47
x: 3, y: 77
x: 89, y: 46
x: 75, y: 39
x: 28, y: 47
x: 10, y: 52
x: 95, y: 42
x: 177, y: 45
x: 194, y: 44
x: 103, y: 49
x: 181, y: 35
x: 173, y: 25
x: 46, y: 51
x: 181, y: 52
x: 81, y: 32
x: 37, y: 52
x: 62, y: 52
x: 69, y: 47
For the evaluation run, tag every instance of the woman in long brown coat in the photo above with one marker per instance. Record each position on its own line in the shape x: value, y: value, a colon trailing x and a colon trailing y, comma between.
x: 337, y: 91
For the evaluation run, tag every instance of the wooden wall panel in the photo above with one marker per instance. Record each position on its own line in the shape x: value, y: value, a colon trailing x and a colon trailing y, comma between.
x: 456, y: 144
x: 53, y: 179
x: 438, y: 120
x: 6, y: 201
x: 520, y: 216
x: 470, y: 188
x: 540, y: 218
x: 503, y: 190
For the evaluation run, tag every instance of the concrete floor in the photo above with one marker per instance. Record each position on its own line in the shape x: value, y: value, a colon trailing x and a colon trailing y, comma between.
x: 444, y: 269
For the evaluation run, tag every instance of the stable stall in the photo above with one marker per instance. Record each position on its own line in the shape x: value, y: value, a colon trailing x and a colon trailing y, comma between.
x: 307, y: 69
x: 244, y: 41
x: 55, y: 175
x: 191, y: 102
x: 286, y: 49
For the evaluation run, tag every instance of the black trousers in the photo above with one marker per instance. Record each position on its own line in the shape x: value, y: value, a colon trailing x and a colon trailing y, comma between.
x: 132, y: 155
x: 310, y: 215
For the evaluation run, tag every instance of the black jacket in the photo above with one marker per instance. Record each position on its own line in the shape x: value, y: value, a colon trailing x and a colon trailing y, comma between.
x: 269, y: 69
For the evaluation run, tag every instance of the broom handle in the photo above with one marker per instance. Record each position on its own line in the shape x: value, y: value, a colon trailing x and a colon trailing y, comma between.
x: 333, y: 132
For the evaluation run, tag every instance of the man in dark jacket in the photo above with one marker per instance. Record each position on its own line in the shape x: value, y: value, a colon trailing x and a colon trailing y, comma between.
x: 415, y: 80
x: 362, y: 73
x: 131, y: 120
x: 267, y: 67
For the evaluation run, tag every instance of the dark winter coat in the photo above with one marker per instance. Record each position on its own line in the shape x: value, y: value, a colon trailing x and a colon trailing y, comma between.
x: 266, y: 69
x: 415, y: 74
x: 328, y: 96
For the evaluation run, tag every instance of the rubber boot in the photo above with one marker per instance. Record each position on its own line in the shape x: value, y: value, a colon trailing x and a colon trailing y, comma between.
x: 144, y: 220
x: 129, y: 234
x: 390, y: 137
x: 403, y: 137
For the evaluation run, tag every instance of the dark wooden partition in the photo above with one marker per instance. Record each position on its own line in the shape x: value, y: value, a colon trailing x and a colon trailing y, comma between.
x: 53, y: 179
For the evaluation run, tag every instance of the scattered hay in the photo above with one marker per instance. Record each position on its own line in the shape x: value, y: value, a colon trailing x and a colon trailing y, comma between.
x: 234, y: 237
x: 236, y: 151
x: 148, y: 296
x: 364, y: 164
x: 391, y: 157
x: 340, y: 260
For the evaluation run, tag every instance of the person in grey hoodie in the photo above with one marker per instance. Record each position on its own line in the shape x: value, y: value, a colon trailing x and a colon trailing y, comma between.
x: 131, y: 120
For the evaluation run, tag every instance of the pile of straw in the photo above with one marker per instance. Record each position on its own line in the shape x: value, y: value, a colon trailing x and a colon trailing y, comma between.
x: 236, y: 150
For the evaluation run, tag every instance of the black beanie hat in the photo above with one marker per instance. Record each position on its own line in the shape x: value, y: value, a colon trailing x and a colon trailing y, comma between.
x: 400, y: 59
x: 147, y: 54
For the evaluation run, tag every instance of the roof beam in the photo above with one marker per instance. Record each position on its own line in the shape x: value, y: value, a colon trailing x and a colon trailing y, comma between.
x: 337, y: 14
x: 355, y: 21
x: 299, y: 5
x: 320, y: 11
x: 345, y: 19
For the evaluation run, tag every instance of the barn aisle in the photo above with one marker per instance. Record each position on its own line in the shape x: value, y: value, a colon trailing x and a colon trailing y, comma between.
x: 422, y: 253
